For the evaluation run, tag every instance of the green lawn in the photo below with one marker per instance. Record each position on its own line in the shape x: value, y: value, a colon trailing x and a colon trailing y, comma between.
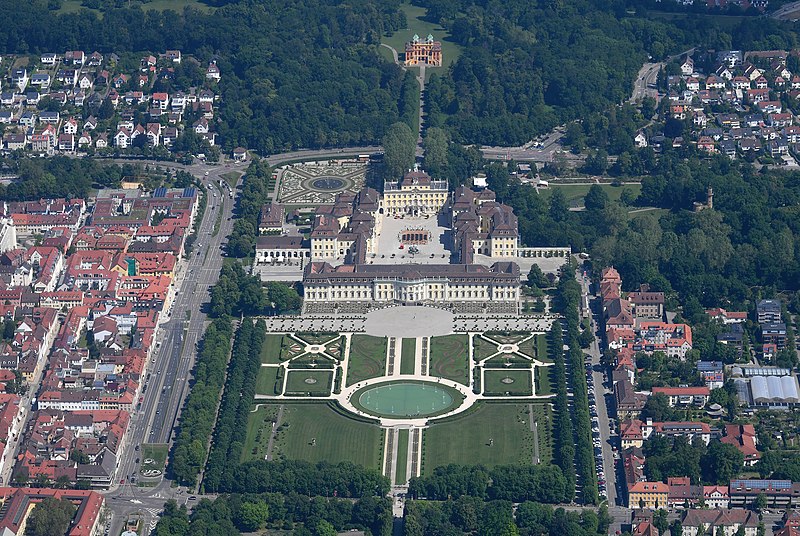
x: 541, y: 348
x: 259, y: 428
x: 266, y: 380
x: 449, y: 358
x: 73, y: 6
x: 367, y: 358
x: 402, y: 457
x: 465, y: 440
x: 154, y: 456
x: 576, y: 192
x: 528, y: 347
x: 407, y: 354
x: 271, y: 350
x: 543, y: 385
x: 296, y: 382
x: 338, y: 438
x: 481, y: 348
x: 521, y: 384
x: 416, y: 25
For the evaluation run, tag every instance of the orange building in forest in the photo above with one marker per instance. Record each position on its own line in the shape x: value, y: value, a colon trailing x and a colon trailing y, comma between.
x: 427, y: 51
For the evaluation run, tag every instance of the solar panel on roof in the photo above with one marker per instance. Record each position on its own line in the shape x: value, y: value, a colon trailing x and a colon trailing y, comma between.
x: 160, y: 192
x: 762, y: 484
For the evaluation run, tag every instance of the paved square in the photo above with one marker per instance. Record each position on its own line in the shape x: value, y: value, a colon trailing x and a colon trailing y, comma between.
x: 436, y: 251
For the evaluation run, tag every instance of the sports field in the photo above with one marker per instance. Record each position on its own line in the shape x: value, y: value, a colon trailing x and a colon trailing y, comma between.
x: 491, y: 434
x: 407, y: 354
x: 338, y: 438
x: 508, y: 382
x: 311, y: 382
x: 367, y: 358
x: 449, y: 358
x: 266, y: 381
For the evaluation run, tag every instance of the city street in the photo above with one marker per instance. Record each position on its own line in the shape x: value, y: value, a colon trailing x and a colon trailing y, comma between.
x: 602, y: 407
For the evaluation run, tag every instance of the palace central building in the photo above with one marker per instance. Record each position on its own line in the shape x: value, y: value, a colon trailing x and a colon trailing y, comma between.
x: 348, y: 232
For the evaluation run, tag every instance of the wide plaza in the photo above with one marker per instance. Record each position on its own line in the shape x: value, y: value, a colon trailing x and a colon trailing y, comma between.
x: 396, y: 383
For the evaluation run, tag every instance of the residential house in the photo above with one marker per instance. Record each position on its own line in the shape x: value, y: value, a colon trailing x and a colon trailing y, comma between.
x: 698, y: 522
x: 653, y: 495
x: 743, y: 437
x: 685, y: 396
x: 213, y: 72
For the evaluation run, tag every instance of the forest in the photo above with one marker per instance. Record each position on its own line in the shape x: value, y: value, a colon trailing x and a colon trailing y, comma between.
x: 298, y: 74
x: 742, y: 250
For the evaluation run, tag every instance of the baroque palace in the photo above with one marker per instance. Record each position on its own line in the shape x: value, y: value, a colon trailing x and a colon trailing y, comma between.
x: 344, y: 246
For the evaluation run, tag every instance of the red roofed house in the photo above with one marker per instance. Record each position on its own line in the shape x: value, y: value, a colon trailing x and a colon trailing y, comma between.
x: 743, y: 437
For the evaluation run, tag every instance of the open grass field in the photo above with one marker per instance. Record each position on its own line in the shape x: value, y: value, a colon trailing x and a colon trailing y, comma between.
x: 154, y: 457
x: 417, y: 25
x: 407, y: 356
x: 481, y: 348
x: 576, y: 192
x: 311, y: 382
x: 466, y: 440
x: 266, y: 380
x: 503, y: 361
x: 73, y: 6
x: 520, y: 384
x: 271, y: 350
x: 402, y: 457
x: 542, y: 379
x: 367, y: 358
x: 338, y: 438
x: 449, y: 358
x: 259, y: 428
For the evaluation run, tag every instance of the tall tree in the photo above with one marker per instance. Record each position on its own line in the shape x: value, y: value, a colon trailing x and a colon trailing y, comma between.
x: 435, y: 144
x: 399, y: 145
x: 51, y: 517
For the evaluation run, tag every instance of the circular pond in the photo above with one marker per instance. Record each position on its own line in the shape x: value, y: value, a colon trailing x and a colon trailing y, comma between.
x: 407, y: 399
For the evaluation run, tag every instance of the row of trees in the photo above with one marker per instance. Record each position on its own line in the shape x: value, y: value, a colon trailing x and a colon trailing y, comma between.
x: 517, y: 483
x: 343, y: 479
x: 304, y: 516
x: 255, y: 193
x: 197, y: 418
x: 465, y: 514
x: 563, y: 435
x: 567, y: 301
x: 237, y: 400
